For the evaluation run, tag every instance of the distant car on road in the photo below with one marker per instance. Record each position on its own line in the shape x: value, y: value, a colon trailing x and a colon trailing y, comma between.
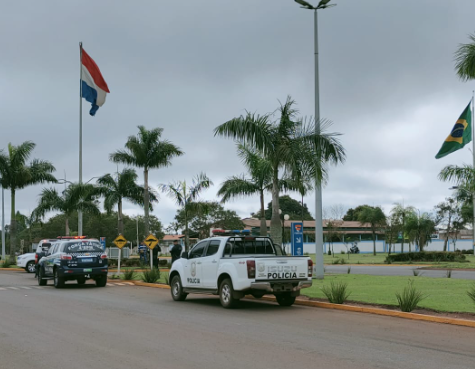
x: 74, y: 259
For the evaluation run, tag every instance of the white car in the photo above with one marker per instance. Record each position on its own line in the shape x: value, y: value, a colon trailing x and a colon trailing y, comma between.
x: 239, y: 265
x: 27, y: 262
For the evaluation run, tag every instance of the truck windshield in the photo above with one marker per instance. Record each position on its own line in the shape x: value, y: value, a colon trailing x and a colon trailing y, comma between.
x: 240, y: 246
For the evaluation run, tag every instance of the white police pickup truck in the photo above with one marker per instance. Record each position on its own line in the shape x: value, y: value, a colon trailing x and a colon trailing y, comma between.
x: 236, y: 265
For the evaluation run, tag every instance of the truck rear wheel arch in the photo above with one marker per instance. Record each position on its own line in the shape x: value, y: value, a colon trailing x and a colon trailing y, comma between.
x: 236, y: 294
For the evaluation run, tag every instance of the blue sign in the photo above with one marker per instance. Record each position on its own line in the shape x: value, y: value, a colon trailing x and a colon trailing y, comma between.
x: 296, y: 236
x: 103, y: 242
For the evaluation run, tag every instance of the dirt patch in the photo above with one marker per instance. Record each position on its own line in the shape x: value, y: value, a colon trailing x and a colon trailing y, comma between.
x: 452, y: 269
x: 466, y: 316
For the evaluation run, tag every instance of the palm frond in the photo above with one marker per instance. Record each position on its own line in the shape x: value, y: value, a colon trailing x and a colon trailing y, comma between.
x: 121, y: 156
x: 20, y: 154
x: 237, y: 186
x: 162, y: 154
x: 463, y: 175
x: 200, y: 182
x: 465, y: 60
x: 173, y: 190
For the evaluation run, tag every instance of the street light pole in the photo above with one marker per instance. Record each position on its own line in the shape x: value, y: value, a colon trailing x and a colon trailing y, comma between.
x: 3, y: 223
x: 319, y: 269
x: 472, y: 194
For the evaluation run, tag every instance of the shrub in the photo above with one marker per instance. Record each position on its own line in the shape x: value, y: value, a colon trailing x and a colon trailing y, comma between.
x: 329, y: 251
x: 336, y: 293
x: 151, y: 276
x: 427, y: 256
x: 342, y: 252
x: 342, y: 261
x: 335, y: 261
x: 129, y: 274
x: 112, y: 262
x: 449, y: 273
x: 410, y: 298
x: 113, y: 276
x: 471, y: 293
x: 132, y: 262
x: 8, y: 262
x: 416, y: 273
x: 163, y: 262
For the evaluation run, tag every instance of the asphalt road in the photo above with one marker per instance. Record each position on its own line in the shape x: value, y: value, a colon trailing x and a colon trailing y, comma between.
x: 139, y: 327
x: 391, y: 270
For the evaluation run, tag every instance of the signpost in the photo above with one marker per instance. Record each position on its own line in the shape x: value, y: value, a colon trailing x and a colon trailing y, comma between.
x: 151, y: 241
x: 103, y: 242
x: 120, y: 242
x: 297, y: 238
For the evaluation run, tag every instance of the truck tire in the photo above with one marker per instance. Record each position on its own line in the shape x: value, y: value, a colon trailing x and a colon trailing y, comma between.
x: 101, y: 281
x: 30, y: 267
x: 81, y: 280
x: 58, y: 281
x: 177, y: 289
x: 285, y: 299
x: 226, y: 292
x: 41, y: 281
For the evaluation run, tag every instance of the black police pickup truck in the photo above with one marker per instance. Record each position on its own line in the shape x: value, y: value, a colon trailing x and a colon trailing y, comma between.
x: 78, y: 259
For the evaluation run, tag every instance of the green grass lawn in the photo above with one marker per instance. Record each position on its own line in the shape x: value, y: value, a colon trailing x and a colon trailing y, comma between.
x: 443, y: 294
x: 138, y: 276
x: 380, y: 257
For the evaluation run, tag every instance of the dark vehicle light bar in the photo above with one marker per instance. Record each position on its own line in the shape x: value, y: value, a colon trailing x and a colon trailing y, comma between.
x: 71, y: 237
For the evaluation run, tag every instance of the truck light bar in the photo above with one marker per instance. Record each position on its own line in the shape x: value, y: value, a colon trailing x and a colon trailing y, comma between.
x: 71, y: 237
x: 230, y: 232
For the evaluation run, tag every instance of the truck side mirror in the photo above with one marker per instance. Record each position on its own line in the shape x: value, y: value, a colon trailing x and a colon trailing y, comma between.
x: 184, y: 255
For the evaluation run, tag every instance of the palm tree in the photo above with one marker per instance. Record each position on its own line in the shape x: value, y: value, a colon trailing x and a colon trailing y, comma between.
x: 281, y: 143
x: 147, y: 150
x: 375, y: 217
x: 420, y: 228
x: 260, y: 171
x: 17, y: 174
x: 124, y: 186
x: 401, y: 213
x: 77, y: 196
x: 463, y: 176
x: 465, y: 60
x: 187, y: 197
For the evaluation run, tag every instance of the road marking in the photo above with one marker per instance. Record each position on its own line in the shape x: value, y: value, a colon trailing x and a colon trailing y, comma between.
x: 109, y: 284
x: 26, y: 288
x: 2, y: 289
x: 13, y: 288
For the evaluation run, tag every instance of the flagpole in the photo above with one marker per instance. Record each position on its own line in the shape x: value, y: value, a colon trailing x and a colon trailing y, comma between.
x: 473, y: 190
x: 80, y: 134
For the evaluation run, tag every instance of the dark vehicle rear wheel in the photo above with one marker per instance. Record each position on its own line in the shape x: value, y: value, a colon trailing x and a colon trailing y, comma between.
x: 177, y: 289
x: 58, y: 281
x: 226, y: 292
x: 41, y: 281
x: 30, y: 267
x: 285, y: 299
x: 81, y: 280
x: 101, y: 281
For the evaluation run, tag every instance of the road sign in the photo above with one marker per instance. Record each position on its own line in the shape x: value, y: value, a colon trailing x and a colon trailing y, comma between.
x: 120, y: 241
x: 297, y: 238
x: 151, y: 241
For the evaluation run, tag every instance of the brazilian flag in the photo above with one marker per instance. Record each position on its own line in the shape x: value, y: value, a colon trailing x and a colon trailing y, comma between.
x: 460, y: 136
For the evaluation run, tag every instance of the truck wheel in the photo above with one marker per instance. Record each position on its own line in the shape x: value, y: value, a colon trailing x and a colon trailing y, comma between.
x: 41, y: 281
x: 226, y: 292
x: 81, y: 280
x: 30, y: 267
x: 177, y: 289
x: 101, y: 281
x: 58, y: 281
x: 285, y: 299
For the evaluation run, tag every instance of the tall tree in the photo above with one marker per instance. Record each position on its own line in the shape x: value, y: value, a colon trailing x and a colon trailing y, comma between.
x: 420, y: 228
x: 123, y: 186
x: 77, y: 196
x: 353, y: 214
x: 291, y: 207
x: 400, y: 213
x: 281, y: 142
x: 187, y: 197
x: 447, y: 211
x: 16, y: 174
x: 376, y: 219
x: 148, y: 151
x: 465, y: 60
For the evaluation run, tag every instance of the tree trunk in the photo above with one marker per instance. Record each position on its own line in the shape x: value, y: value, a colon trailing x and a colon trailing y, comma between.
x: 263, y: 231
x: 374, y: 243
x: 275, y: 224
x: 146, y: 201
x: 187, y: 239
x: 409, y: 246
x: 302, y: 210
x: 12, y: 226
x: 121, y: 220
x: 402, y: 232
x: 66, y: 226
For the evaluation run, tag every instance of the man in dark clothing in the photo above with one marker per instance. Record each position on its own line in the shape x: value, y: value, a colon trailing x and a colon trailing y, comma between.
x: 155, y: 252
x: 175, y: 251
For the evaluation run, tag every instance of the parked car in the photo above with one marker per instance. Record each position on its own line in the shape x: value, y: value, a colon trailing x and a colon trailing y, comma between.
x: 27, y: 262
x: 74, y: 259
x: 238, y: 265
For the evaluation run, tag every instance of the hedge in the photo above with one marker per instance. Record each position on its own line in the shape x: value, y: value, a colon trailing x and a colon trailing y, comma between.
x: 427, y: 256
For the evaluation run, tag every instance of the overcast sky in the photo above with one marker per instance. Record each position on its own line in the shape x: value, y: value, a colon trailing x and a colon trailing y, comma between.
x: 387, y: 82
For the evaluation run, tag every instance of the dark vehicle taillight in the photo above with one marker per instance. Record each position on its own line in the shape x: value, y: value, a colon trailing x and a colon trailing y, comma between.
x: 310, y: 268
x: 66, y: 257
x: 251, y: 269
x: 36, y: 258
x: 104, y: 256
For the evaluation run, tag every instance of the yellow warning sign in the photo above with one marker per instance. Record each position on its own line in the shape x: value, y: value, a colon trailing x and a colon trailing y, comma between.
x: 151, y: 241
x: 120, y: 241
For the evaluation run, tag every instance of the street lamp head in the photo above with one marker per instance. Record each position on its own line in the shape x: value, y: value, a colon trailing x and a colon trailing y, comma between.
x: 323, y: 4
x: 305, y: 5
x: 286, y: 217
x: 454, y: 188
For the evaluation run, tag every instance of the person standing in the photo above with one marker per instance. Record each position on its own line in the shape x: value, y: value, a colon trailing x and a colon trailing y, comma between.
x: 155, y: 252
x: 175, y: 251
x: 143, y: 253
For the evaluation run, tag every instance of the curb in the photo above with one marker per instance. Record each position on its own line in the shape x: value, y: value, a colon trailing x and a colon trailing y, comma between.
x: 356, y: 309
x: 13, y: 269
x: 138, y: 283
